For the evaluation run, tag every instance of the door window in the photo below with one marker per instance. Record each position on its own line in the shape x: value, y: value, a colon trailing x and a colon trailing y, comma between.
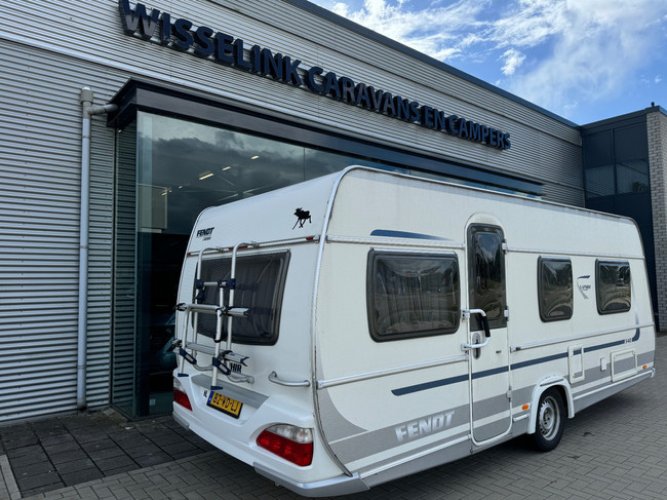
x: 487, y: 274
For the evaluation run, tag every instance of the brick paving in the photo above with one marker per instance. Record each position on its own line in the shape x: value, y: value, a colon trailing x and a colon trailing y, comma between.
x: 50, y: 454
x: 615, y: 450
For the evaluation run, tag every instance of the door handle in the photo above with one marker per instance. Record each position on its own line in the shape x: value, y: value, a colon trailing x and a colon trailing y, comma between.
x: 466, y: 313
x: 467, y: 347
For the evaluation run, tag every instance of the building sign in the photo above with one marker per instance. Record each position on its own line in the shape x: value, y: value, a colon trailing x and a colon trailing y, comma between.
x: 224, y: 49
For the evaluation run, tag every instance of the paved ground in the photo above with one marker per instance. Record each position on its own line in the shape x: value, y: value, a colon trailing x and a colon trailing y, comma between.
x: 50, y: 454
x: 614, y: 450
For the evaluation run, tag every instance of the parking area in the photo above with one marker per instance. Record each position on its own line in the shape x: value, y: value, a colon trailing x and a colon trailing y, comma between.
x: 614, y: 450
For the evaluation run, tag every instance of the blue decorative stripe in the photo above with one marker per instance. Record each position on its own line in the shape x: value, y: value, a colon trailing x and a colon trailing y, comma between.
x: 537, y: 361
x: 429, y: 385
x: 388, y: 233
x: 487, y: 373
x: 604, y: 346
x: 522, y: 364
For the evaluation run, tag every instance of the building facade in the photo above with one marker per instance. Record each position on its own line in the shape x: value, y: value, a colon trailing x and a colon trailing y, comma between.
x: 203, y: 102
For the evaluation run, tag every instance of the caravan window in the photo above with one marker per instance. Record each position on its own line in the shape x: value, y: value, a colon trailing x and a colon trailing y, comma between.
x: 487, y: 274
x: 412, y: 295
x: 555, y: 289
x: 260, y: 280
x: 612, y: 284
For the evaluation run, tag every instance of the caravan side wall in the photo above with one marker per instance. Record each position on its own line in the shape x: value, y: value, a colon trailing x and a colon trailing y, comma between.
x: 393, y: 405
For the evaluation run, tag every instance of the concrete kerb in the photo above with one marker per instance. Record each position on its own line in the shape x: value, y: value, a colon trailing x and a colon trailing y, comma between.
x: 8, y: 487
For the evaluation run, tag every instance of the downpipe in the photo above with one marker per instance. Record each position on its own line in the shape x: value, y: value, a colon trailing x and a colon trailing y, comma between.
x: 88, y: 110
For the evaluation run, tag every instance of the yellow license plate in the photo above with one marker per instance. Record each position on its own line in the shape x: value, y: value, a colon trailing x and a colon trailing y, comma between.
x: 225, y: 404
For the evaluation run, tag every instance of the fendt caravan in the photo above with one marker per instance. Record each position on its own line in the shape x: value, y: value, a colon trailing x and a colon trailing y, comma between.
x: 358, y: 327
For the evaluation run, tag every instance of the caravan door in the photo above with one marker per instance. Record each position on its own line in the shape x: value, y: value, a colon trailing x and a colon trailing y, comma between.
x: 488, y: 365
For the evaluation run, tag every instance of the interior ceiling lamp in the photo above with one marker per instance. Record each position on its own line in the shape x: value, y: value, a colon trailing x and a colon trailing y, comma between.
x: 205, y: 175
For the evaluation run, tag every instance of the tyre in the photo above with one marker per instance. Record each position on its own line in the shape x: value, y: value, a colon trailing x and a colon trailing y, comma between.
x: 550, y: 420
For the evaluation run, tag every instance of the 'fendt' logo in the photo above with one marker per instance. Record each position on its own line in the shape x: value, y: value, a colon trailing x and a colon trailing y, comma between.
x: 424, y: 426
x: 205, y: 232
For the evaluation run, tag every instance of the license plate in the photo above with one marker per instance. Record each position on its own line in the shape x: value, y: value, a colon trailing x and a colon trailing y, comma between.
x: 225, y: 404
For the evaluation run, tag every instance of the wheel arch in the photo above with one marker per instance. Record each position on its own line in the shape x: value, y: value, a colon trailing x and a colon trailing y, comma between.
x: 559, y: 383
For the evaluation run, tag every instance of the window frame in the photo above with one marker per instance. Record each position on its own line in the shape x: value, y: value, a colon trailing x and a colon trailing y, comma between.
x: 372, y: 259
x: 540, y: 288
x: 277, y: 299
x: 598, y: 263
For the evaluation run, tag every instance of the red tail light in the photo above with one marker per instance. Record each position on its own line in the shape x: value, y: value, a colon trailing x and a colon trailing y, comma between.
x: 182, y: 399
x: 294, y: 444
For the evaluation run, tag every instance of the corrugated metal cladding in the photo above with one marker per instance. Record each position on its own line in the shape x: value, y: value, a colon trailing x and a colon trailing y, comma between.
x: 50, y: 50
x: 40, y: 157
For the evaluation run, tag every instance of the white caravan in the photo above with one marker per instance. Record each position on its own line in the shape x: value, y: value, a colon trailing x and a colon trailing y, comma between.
x: 383, y: 324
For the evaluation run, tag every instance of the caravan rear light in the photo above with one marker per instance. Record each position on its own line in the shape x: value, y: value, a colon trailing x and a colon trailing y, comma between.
x: 182, y: 399
x: 289, y: 442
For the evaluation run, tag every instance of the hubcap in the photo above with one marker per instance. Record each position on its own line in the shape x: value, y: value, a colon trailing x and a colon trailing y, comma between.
x: 548, y: 418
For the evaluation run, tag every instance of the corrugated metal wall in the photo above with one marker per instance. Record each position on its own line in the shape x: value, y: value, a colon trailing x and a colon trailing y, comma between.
x: 40, y: 159
x: 50, y: 50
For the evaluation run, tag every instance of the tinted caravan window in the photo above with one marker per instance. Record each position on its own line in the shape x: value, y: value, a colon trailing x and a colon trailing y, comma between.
x: 412, y: 295
x: 260, y: 280
x: 487, y: 274
x: 612, y: 285
x: 555, y: 289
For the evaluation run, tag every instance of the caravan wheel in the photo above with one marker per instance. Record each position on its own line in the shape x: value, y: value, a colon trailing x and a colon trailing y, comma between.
x: 550, y: 420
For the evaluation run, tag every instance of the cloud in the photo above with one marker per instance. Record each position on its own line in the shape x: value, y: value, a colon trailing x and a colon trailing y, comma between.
x: 556, y: 53
x: 528, y: 23
x: 513, y: 59
x: 441, y: 32
x: 598, y: 46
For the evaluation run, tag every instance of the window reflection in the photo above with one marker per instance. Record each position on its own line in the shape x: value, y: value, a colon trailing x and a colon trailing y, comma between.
x: 186, y: 167
x: 192, y: 166
x: 613, y: 288
x: 320, y: 163
x: 555, y: 289
x: 487, y: 273
x: 412, y: 295
x: 633, y: 176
